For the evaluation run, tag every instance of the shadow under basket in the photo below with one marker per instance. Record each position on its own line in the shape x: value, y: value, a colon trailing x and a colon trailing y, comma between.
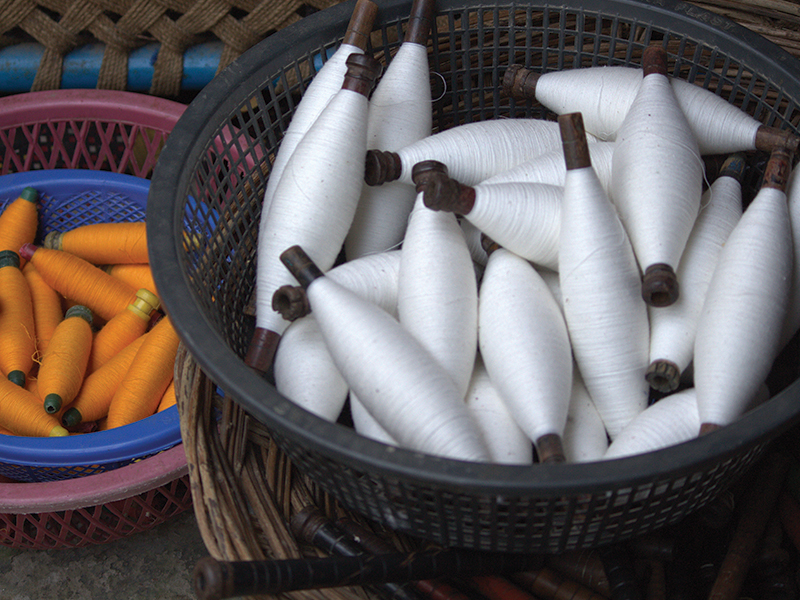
x: 210, y: 181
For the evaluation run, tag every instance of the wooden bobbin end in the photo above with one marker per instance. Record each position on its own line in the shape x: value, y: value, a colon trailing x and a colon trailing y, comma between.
x: 779, y: 166
x: 420, y: 21
x: 660, y: 285
x: 708, y: 428
x: 382, y: 167
x: 17, y: 376
x: 291, y: 302
x: 488, y: 244
x: 663, y: 375
x: 30, y: 194
x: 211, y: 579
x: 519, y: 83
x: 574, y: 142
x: 300, y: 265
x: 71, y: 417
x: 360, y: 25
x: 306, y: 523
x: 9, y: 258
x: 261, y: 351
x: 53, y: 240
x: 770, y: 138
x: 362, y: 73
x: 654, y: 60
x: 550, y: 449
x: 440, y: 192
x: 734, y: 166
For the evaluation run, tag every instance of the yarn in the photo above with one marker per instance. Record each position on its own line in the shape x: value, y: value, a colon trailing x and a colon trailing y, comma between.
x: 365, y: 424
x: 47, y: 311
x: 673, y: 328
x: 739, y: 330
x: 17, y: 327
x: 507, y: 443
x: 792, y: 323
x: 598, y: 275
x: 585, y: 438
x: 525, y: 346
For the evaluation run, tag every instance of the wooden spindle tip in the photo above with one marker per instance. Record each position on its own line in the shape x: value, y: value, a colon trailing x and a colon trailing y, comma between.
x: 660, y: 285
x: 306, y: 522
x: 362, y: 72
x: 9, y: 258
x: 360, y: 25
x: 440, y: 191
x: 654, y: 60
x: 17, y: 376
x: 291, y: 302
x: 488, y: 244
x: 778, y: 169
x: 769, y: 138
x: 420, y: 21
x: 663, y: 375
x: 574, y: 142
x: 382, y: 166
x: 80, y: 311
x: 30, y: 194
x: 550, y: 449
x: 706, y: 428
x: 300, y: 265
x: 734, y: 166
x: 261, y: 351
x: 53, y: 240
x: 519, y: 83
x: 52, y: 403
x: 211, y: 579
x: 71, y: 417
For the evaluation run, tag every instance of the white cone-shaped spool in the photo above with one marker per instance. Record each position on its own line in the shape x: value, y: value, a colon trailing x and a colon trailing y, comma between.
x: 473, y: 235
x: 365, y: 424
x: 399, y: 115
x: 395, y: 378
x: 315, y: 200
x: 671, y: 420
x: 657, y: 175
x: 549, y: 167
x: 524, y: 218
x: 740, y: 326
x: 604, y: 95
x: 585, y: 437
x: 792, y: 323
x: 476, y: 151
x: 524, y: 344
x: 324, y: 86
x: 550, y: 277
x: 673, y: 328
x: 304, y: 369
x: 437, y: 296
x: 599, y: 278
x: 507, y: 443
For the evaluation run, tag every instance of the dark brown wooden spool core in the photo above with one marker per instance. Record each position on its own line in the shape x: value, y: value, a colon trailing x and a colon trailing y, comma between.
x: 382, y: 166
x: 420, y: 21
x: 660, y: 285
x: 300, y: 265
x: 550, y: 449
x: 778, y: 169
x: 291, y: 302
x: 362, y: 73
x: 654, y: 60
x: 663, y: 376
x: 360, y: 25
x: 519, y: 83
x: 771, y: 138
x: 573, y: 141
x: 261, y: 351
x: 440, y: 192
x: 706, y: 428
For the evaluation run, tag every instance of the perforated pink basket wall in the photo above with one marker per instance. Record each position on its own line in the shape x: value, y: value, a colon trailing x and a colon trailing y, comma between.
x: 120, y: 132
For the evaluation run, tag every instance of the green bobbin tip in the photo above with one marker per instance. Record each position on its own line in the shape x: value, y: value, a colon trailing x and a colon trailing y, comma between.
x: 71, y: 417
x: 81, y: 311
x: 52, y: 403
x: 9, y: 258
x: 30, y: 194
x: 17, y: 377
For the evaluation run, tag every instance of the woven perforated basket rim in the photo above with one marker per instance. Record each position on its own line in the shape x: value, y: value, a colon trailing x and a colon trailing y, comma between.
x: 316, y: 438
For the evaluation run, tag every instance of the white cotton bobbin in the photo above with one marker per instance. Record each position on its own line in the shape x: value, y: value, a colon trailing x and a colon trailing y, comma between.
x: 400, y: 114
x: 396, y: 379
x: 673, y: 328
x: 605, y: 313
x: 473, y: 236
x: 365, y: 424
x: 550, y: 277
x: 522, y: 217
x: 324, y: 86
x: 304, y: 370
x: 507, y: 443
x: 525, y: 346
x: 792, y: 323
x: 437, y: 294
x: 314, y: 201
x: 472, y: 152
x: 657, y: 179
x: 740, y: 326
x: 604, y: 95
x: 549, y: 167
x: 585, y: 437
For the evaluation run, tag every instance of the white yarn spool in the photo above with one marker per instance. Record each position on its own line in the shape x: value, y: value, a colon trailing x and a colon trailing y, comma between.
x: 739, y: 330
x: 550, y: 277
x: 315, y: 199
x: 400, y: 114
x: 365, y: 424
x: 525, y: 346
x: 670, y: 421
x: 599, y: 277
x: 604, y: 95
x: 657, y: 175
x: 324, y: 86
x: 507, y: 443
x: 473, y: 236
x: 476, y: 151
x: 304, y: 370
x: 792, y: 323
x: 585, y: 437
x: 549, y: 167
x: 673, y: 328
x: 396, y: 379
x: 437, y: 295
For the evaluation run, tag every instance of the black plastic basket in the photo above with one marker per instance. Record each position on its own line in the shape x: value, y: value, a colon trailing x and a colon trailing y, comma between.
x: 210, y: 181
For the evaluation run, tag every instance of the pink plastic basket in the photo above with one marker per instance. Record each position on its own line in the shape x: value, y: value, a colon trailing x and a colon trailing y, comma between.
x: 120, y: 132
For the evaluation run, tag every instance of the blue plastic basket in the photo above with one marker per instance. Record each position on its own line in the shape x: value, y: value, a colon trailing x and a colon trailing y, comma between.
x: 69, y: 198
